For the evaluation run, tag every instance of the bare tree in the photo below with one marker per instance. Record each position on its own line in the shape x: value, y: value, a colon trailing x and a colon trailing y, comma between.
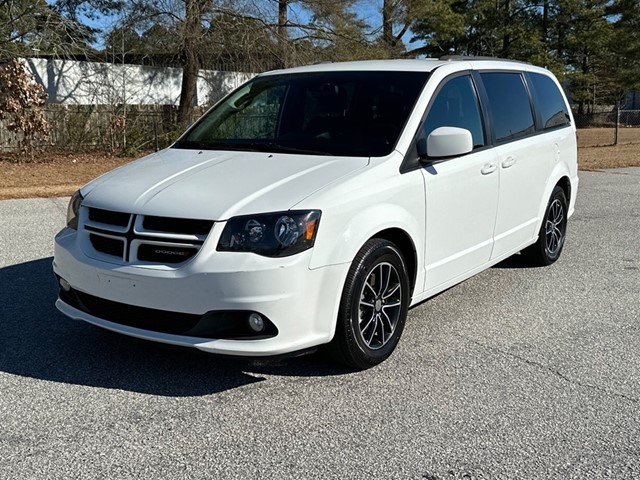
x: 397, y: 18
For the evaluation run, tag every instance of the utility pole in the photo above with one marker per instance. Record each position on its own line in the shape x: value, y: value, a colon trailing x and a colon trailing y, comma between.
x: 124, y: 91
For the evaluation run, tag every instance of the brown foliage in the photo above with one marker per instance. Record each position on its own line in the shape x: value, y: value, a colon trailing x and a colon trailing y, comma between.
x: 22, y: 102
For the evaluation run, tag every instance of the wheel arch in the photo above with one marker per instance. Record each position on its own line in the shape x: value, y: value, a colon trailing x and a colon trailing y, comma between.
x: 565, y: 183
x: 405, y: 244
x: 560, y: 177
x: 342, y: 234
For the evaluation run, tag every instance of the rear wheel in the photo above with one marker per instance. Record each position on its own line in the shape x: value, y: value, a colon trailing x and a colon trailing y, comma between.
x: 552, y: 233
x: 373, y: 307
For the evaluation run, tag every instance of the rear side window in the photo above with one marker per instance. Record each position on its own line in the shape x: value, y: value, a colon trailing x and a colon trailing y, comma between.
x: 456, y: 105
x: 549, y: 102
x: 509, y: 104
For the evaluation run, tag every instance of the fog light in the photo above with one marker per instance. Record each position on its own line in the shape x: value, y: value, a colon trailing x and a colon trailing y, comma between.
x: 66, y: 286
x: 256, y: 322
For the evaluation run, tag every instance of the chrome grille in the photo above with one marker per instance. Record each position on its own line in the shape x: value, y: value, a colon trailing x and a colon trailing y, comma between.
x: 142, y: 239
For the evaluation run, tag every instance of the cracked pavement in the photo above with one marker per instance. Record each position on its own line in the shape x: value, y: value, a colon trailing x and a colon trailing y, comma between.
x: 517, y: 373
x: 551, y: 370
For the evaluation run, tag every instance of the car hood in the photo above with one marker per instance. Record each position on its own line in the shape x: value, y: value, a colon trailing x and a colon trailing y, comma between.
x: 215, y: 185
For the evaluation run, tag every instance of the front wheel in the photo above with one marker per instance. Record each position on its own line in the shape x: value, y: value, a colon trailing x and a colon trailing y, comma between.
x: 373, y: 307
x: 552, y: 232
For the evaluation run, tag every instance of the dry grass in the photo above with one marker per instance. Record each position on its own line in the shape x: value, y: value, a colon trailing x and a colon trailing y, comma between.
x: 617, y: 156
x: 594, y: 137
x: 61, y: 175
x: 58, y: 176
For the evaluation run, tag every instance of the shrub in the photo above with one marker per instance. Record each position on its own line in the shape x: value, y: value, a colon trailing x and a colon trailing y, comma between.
x: 22, y: 102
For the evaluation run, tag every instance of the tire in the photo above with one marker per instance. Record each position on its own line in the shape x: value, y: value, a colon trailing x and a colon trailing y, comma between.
x: 373, y: 307
x: 552, y: 234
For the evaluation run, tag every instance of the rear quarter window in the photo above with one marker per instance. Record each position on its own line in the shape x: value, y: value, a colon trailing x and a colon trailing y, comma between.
x: 549, y: 102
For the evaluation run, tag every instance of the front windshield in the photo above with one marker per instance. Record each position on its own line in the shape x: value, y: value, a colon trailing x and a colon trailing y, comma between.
x: 327, y: 113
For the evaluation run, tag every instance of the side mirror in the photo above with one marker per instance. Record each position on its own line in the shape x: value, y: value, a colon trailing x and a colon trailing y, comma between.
x: 448, y: 142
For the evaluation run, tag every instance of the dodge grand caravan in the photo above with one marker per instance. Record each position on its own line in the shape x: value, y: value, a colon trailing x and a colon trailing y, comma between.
x: 313, y: 206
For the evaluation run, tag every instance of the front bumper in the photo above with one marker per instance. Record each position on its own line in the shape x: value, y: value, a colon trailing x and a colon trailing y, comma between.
x: 302, y: 303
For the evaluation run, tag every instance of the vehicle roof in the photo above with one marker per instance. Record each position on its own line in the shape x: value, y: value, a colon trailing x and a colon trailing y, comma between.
x: 412, y: 65
x: 426, y: 65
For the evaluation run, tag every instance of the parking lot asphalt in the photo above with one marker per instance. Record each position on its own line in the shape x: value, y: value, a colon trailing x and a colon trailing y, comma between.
x: 517, y: 373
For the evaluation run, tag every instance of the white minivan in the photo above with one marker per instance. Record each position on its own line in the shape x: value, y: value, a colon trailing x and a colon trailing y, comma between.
x: 313, y: 206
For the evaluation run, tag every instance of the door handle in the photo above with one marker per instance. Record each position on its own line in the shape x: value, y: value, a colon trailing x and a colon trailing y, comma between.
x: 488, y: 168
x: 509, y: 162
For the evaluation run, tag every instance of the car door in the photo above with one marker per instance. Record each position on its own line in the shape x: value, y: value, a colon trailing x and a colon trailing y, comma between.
x: 462, y: 192
x: 524, y: 160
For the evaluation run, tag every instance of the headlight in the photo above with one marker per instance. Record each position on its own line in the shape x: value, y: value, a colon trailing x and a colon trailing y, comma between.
x: 72, y: 210
x: 272, y: 234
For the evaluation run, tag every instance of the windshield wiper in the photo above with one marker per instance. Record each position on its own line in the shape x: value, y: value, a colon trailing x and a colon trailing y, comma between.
x: 268, y: 147
x: 247, y: 147
x: 271, y: 147
x: 275, y: 147
x: 190, y: 144
x: 241, y: 147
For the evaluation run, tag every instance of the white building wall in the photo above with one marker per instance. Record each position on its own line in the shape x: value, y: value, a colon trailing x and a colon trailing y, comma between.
x: 92, y: 83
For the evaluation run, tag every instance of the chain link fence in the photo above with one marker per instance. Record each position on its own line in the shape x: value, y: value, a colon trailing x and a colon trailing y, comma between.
x: 609, y: 127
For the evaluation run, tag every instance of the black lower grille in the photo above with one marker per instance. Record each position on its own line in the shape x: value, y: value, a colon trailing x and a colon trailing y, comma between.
x: 131, y: 315
x: 214, y: 324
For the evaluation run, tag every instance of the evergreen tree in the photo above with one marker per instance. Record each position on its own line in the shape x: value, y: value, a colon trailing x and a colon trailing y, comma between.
x: 581, y: 32
x: 624, y: 46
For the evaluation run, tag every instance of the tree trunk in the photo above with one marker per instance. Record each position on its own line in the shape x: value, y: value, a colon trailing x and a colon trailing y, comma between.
x: 506, y: 38
x: 387, y: 24
x: 283, y: 35
x: 282, y: 20
x: 545, y: 21
x: 585, y: 70
x: 191, y: 62
x: 189, y: 87
x: 561, y: 29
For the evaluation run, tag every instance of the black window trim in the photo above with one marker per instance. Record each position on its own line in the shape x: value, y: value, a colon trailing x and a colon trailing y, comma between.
x: 536, y: 131
x: 534, y: 95
x: 537, y: 119
x: 411, y: 160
